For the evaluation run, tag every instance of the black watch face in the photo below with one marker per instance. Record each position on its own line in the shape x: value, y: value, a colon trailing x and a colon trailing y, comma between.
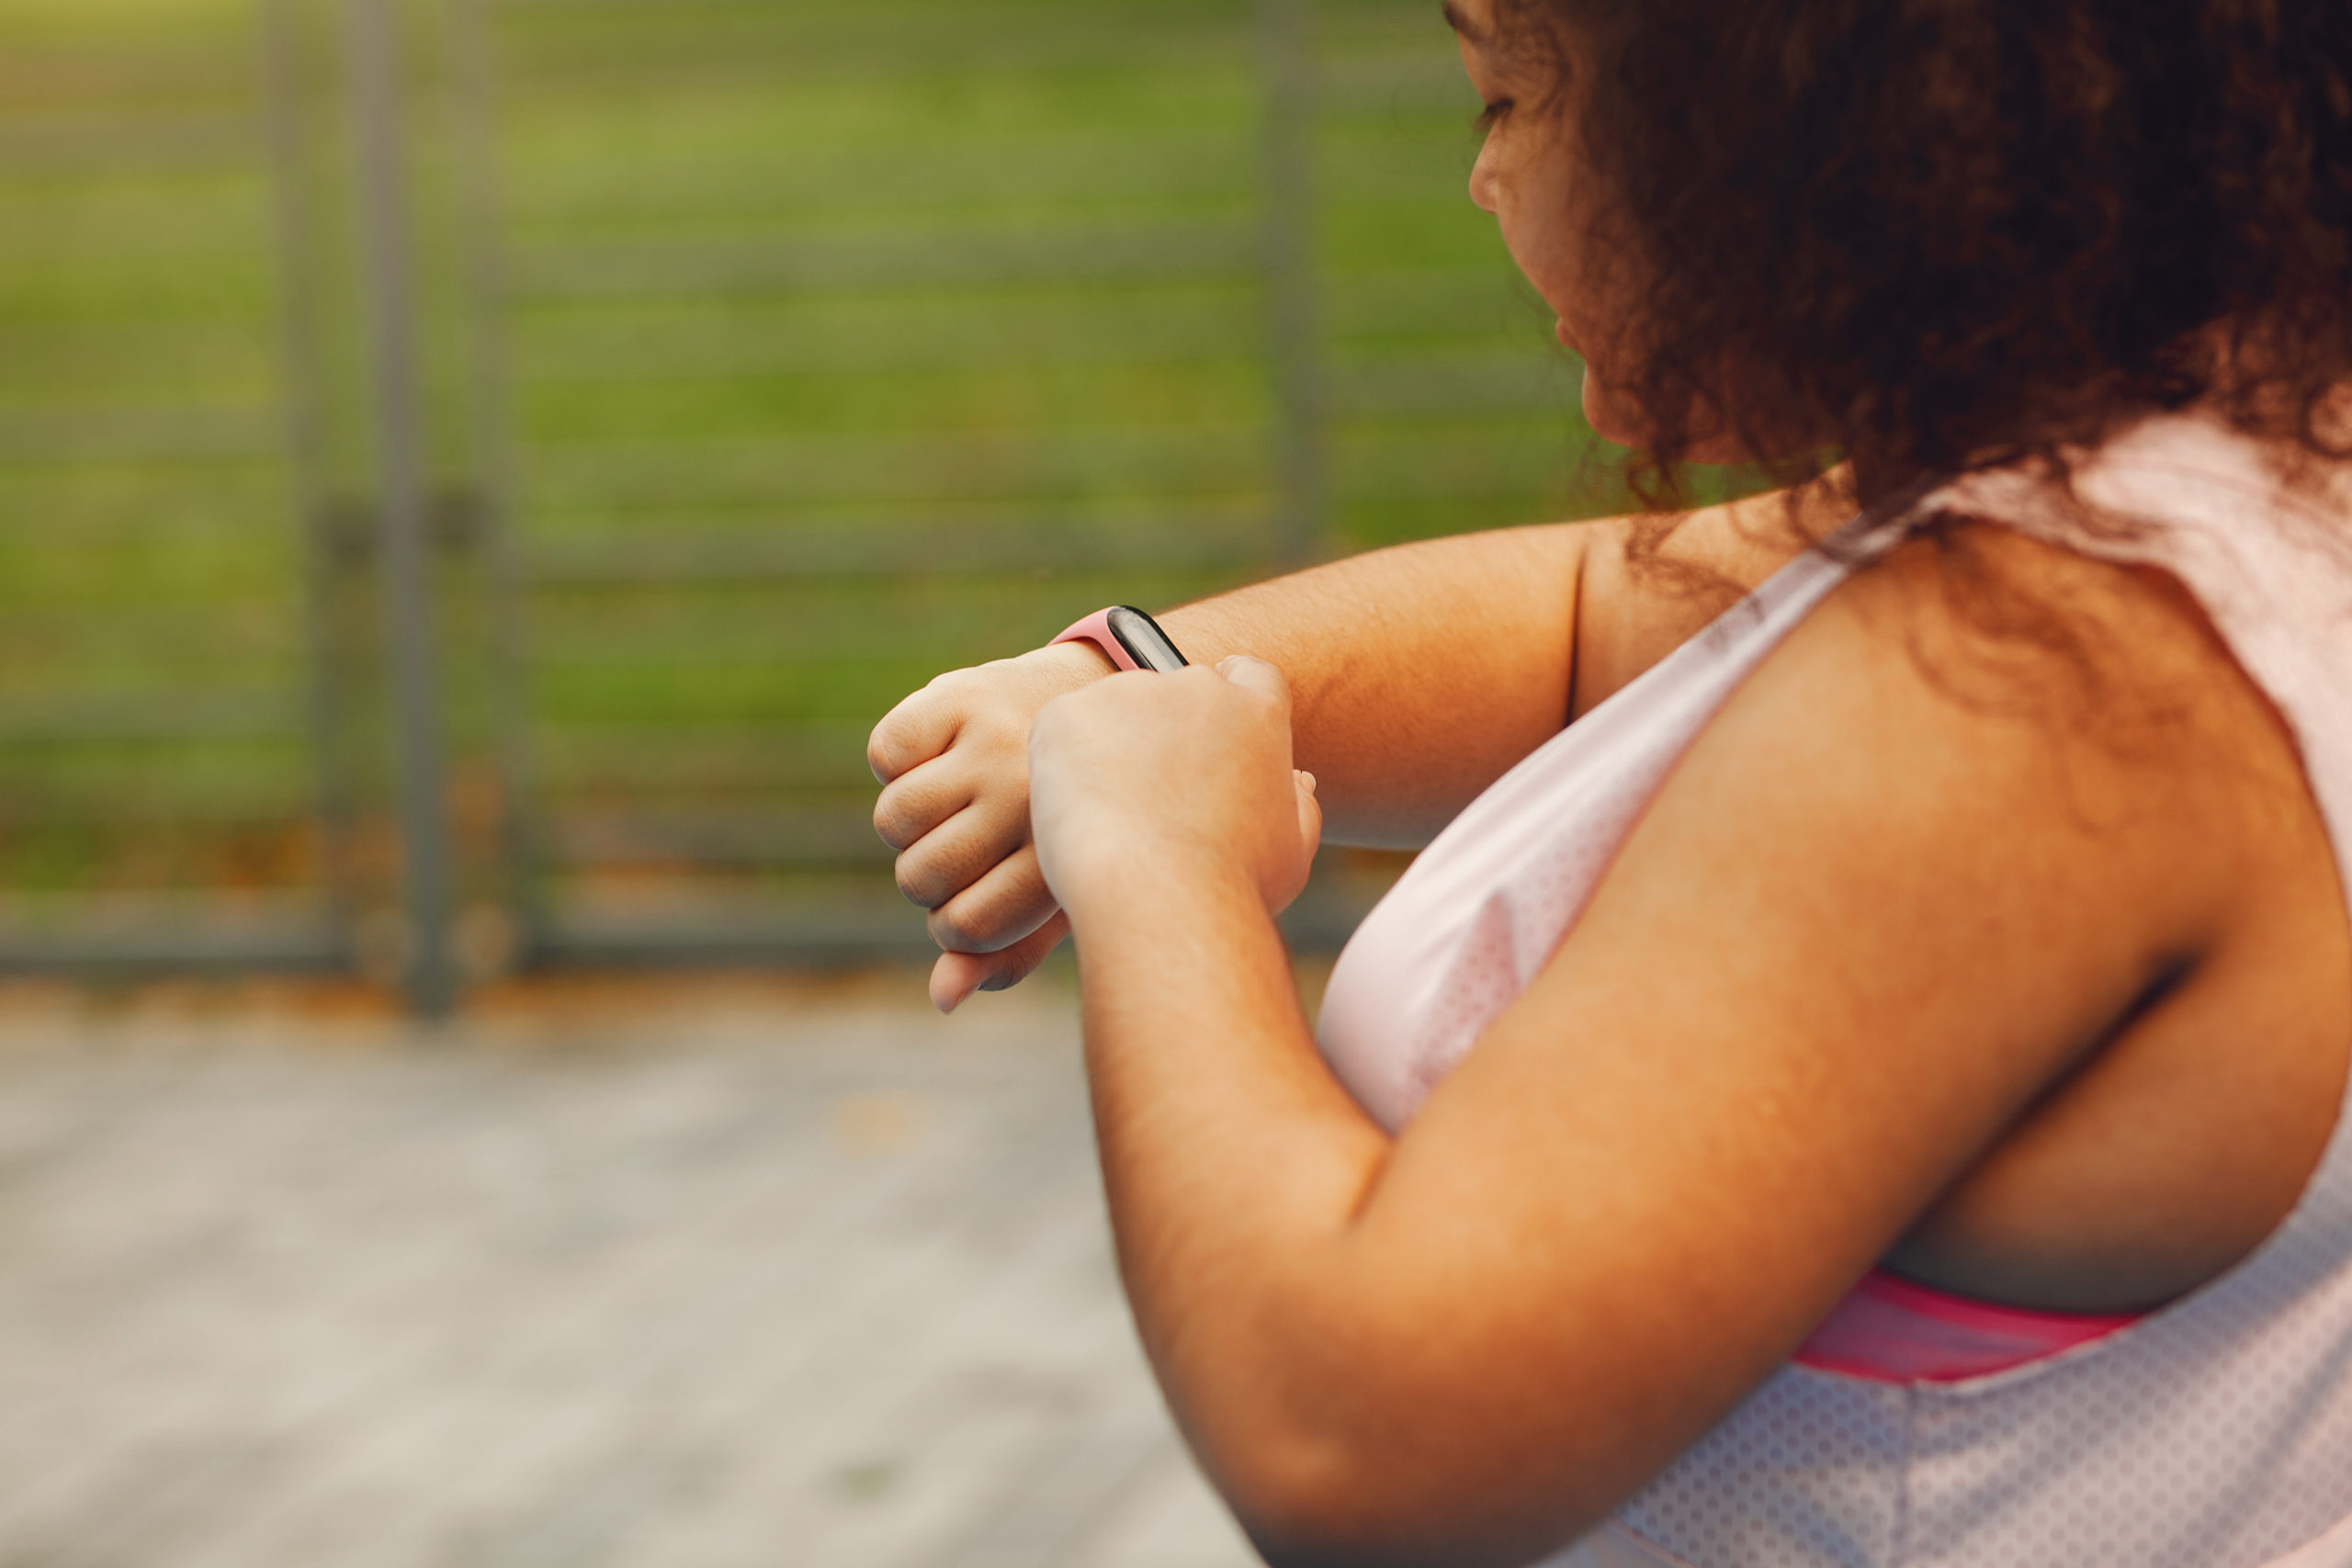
x: 1145, y: 642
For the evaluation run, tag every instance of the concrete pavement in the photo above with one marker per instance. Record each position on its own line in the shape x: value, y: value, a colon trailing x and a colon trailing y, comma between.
x: 703, y: 1277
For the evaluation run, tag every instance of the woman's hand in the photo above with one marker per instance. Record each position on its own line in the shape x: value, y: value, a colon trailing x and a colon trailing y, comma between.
x: 954, y: 763
x: 1142, y: 778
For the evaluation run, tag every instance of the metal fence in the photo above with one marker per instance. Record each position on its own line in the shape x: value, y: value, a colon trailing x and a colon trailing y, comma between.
x: 473, y: 471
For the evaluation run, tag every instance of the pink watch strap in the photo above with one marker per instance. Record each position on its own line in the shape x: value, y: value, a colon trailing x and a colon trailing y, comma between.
x: 1096, y: 629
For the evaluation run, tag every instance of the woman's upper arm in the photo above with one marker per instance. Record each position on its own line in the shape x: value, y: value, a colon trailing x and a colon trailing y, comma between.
x: 1863, y: 927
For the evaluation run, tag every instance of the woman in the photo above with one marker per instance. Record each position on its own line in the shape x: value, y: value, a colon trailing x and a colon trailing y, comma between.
x: 1865, y: 1091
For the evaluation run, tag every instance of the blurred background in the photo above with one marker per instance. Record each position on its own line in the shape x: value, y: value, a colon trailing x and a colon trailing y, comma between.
x: 471, y: 473
x: 525, y: 444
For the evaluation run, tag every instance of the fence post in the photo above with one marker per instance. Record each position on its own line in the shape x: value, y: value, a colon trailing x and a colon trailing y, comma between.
x: 475, y: 136
x: 1286, y: 64
x: 374, y: 44
x: 303, y: 395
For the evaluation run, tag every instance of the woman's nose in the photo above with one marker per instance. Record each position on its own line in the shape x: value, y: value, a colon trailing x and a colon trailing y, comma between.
x: 1482, y: 179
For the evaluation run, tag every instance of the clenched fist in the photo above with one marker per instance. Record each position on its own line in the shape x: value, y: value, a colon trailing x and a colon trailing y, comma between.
x: 954, y: 763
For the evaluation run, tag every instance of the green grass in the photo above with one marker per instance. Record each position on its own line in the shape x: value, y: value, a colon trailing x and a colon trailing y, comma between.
x: 849, y: 341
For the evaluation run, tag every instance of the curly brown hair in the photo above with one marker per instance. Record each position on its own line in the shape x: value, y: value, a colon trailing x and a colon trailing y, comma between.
x: 1943, y: 234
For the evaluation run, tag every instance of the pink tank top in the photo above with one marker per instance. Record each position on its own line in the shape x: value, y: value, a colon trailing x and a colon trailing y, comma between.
x: 1916, y: 1425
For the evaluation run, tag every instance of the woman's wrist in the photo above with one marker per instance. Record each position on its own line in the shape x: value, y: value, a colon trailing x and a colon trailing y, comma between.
x: 1147, y: 889
x: 1077, y: 661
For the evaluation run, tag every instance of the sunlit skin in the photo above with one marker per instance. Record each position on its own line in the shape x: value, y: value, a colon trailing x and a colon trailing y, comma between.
x: 2033, y: 1013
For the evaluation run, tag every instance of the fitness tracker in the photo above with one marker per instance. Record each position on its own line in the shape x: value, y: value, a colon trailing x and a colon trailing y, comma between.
x: 1129, y: 638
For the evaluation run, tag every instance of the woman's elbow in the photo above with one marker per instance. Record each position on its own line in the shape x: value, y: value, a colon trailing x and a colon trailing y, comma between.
x: 1316, y: 1501
x: 1304, y: 1504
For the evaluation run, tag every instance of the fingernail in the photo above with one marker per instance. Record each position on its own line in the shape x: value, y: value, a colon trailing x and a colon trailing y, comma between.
x: 1308, y: 779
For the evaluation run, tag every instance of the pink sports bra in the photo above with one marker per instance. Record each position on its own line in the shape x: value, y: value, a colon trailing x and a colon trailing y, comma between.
x: 1894, y: 1331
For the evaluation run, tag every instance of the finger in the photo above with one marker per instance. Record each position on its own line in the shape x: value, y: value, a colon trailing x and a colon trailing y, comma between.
x: 961, y: 850
x: 917, y: 802
x: 1311, y: 839
x: 920, y: 727
x: 1006, y: 904
x: 1023, y: 958
x: 1257, y: 675
x: 958, y: 975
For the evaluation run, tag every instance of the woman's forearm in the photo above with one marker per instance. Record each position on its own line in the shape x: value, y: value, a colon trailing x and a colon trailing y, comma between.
x: 1310, y: 1363
x: 1235, y: 1165
x: 1419, y: 674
